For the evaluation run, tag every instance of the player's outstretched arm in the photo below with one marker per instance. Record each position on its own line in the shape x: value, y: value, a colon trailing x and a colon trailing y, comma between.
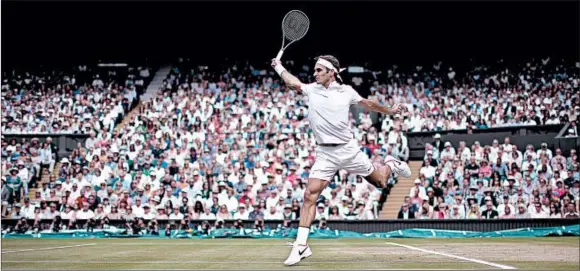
x: 290, y: 80
x: 373, y: 105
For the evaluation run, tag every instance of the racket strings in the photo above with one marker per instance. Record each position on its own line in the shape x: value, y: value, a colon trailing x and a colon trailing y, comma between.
x: 295, y: 25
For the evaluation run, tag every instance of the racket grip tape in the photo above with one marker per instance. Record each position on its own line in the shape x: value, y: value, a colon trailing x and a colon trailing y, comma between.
x: 279, y: 56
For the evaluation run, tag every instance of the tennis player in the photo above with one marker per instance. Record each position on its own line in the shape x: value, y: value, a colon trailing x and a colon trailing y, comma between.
x: 329, y: 105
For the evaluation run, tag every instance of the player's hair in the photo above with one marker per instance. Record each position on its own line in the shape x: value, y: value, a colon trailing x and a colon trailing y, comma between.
x: 333, y: 60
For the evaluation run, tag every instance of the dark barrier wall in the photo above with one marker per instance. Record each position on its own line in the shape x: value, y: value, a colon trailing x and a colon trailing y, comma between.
x: 521, y: 136
x: 378, y: 225
x: 66, y: 143
x: 567, y: 143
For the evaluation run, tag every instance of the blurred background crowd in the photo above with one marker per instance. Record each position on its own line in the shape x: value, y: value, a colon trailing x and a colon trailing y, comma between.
x: 231, y: 143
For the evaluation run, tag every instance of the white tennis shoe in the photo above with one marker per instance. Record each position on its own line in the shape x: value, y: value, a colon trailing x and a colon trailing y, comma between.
x: 298, y: 253
x: 399, y: 167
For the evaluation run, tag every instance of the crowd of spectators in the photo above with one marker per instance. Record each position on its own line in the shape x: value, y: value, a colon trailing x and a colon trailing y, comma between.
x: 497, y: 181
x: 77, y: 102
x: 539, y: 92
x: 233, y: 143
x: 83, y: 101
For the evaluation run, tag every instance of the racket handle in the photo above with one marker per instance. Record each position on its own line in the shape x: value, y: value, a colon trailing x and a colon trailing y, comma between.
x: 279, y: 56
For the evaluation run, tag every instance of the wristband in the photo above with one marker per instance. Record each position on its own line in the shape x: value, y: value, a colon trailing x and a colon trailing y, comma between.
x: 279, y: 69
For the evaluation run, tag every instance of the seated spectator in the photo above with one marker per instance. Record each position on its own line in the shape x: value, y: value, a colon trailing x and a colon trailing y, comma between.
x: 522, y: 212
x: 507, y: 213
x: 571, y: 211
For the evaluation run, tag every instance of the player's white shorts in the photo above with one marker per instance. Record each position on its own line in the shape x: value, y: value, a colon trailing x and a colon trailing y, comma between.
x: 349, y: 157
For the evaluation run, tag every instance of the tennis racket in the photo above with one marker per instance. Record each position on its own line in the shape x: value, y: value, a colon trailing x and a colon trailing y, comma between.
x: 294, y: 27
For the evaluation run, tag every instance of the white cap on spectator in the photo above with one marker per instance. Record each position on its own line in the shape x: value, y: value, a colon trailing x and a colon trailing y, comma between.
x: 447, y: 144
x: 487, y: 198
x: 64, y: 160
x: 417, y: 181
x: 429, y: 152
x: 437, y: 135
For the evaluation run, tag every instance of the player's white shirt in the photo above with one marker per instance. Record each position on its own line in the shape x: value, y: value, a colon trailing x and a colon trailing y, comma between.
x: 329, y: 110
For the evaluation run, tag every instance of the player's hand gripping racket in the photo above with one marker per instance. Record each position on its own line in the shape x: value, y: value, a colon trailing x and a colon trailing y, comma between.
x: 294, y: 27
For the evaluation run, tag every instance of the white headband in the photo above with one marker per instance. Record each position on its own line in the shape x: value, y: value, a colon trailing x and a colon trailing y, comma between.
x: 329, y: 65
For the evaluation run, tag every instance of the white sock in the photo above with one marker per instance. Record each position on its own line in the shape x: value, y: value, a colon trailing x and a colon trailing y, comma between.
x: 302, y: 236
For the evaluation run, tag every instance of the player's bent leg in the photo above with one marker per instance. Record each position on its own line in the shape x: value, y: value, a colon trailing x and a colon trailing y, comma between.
x: 379, y: 177
x: 300, y: 248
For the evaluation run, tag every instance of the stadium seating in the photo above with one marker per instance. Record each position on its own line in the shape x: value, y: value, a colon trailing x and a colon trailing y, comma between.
x: 83, y: 100
x: 231, y: 142
x: 497, y: 181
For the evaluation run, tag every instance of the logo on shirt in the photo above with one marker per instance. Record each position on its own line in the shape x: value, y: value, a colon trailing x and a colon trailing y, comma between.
x: 323, y: 95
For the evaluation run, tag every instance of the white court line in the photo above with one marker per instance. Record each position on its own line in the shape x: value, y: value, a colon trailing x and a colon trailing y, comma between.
x: 454, y: 256
x: 202, y: 262
x: 224, y: 244
x: 46, y: 248
x: 387, y: 269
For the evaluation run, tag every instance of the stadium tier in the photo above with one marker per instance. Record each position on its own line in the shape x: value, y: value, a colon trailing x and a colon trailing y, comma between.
x: 233, y: 143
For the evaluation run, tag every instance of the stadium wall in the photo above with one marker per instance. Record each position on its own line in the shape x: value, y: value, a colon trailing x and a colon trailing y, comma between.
x: 66, y: 143
x: 374, y: 226
x: 521, y: 136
